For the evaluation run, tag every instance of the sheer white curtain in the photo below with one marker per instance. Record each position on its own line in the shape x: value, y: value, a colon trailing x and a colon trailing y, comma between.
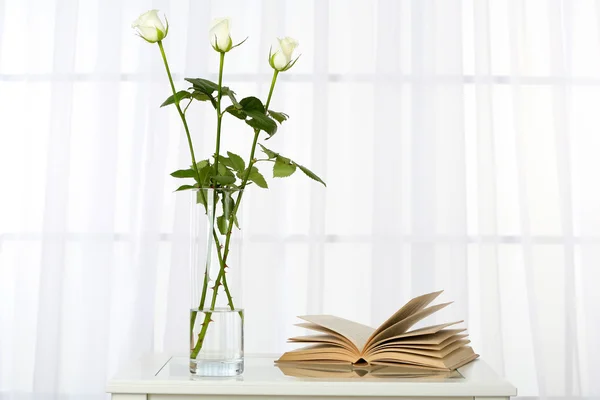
x: 459, y: 141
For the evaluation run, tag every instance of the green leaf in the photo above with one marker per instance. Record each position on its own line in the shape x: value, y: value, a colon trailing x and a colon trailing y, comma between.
x: 227, y: 203
x: 253, y: 108
x: 269, y: 153
x: 201, y: 196
x: 200, y: 96
x: 228, y: 206
x: 257, y: 178
x: 176, y: 98
x: 283, y: 167
x: 236, y: 113
x: 237, y: 162
x: 203, y: 85
x: 231, y: 94
x: 222, y: 224
x: 278, y: 116
x: 262, y: 122
x: 185, y: 187
x: 224, y: 180
x: 224, y: 167
x: 201, y: 164
x: 252, y: 104
x: 311, y: 175
x: 205, y: 173
x: 223, y: 162
x: 184, y: 173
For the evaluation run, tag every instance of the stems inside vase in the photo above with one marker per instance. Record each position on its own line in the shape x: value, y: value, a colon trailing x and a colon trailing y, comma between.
x: 223, y: 259
x: 195, y: 169
x: 221, y: 277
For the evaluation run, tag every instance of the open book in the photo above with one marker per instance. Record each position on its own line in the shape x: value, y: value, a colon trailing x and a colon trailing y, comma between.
x: 338, y: 340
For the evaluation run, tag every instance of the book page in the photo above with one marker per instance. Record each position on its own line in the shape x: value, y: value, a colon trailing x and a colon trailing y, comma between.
x: 457, y: 358
x: 321, y: 348
x: 450, y: 340
x: 404, y: 325
x: 461, y: 357
x: 356, y: 333
x: 413, y: 306
x: 431, y: 339
x: 406, y: 358
x: 318, y: 354
x: 316, y: 358
x: 430, y: 330
x: 429, y: 352
x: 331, y: 339
x: 318, y: 328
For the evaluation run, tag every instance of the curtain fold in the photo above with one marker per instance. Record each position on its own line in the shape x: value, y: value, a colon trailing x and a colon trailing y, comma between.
x: 458, y: 140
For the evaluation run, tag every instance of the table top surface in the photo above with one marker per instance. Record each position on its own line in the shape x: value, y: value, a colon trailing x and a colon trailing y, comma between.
x: 165, y: 374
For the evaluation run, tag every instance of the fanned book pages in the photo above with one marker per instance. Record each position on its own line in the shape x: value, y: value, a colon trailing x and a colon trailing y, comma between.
x: 340, y: 341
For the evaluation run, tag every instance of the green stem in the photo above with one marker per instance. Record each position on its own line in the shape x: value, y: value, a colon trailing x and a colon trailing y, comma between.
x: 218, y: 148
x: 221, y: 275
x: 219, y: 121
x: 194, y: 166
x: 188, y: 104
x: 206, y: 322
x: 219, y: 115
x: 207, y: 315
x: 273, y: 80
x: 217, y: 152
x: 181, y: 114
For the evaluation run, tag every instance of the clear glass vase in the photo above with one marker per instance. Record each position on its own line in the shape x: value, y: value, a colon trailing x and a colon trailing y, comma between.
x: 216, y: 322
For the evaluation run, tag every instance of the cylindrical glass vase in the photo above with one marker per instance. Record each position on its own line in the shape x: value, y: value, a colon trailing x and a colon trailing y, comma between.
x: 216, y: 320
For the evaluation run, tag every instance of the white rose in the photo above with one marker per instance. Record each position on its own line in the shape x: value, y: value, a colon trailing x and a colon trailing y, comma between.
x: 281, y: 58
x: 219, y: 35
x: 150, y: 27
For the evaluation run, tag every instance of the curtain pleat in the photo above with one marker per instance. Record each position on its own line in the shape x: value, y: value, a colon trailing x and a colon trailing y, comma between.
x: 318, y: 150
x: 53, y: 323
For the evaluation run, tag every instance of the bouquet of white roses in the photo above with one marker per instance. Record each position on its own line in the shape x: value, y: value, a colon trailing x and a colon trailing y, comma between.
x: 228, y: 172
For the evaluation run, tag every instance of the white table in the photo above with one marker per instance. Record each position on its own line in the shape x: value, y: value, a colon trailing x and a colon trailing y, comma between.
x: 162, y: 377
